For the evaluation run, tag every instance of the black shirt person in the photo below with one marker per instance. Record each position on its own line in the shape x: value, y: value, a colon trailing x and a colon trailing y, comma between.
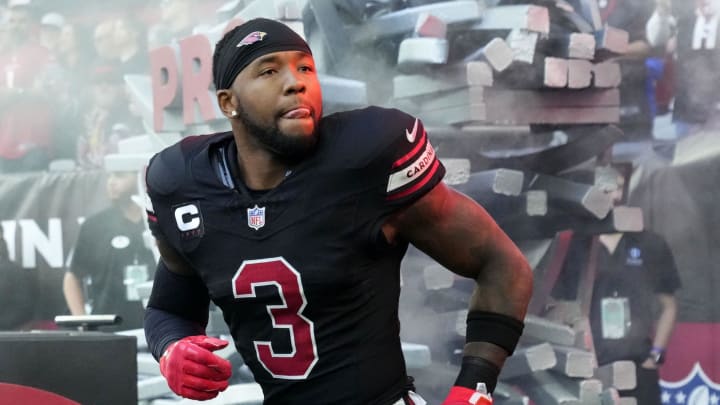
x: 633, y: 307
x: 110, y: 253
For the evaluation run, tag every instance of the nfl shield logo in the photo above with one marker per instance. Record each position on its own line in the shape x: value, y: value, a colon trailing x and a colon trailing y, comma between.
x: 695, y: 389
x: 256, y: 217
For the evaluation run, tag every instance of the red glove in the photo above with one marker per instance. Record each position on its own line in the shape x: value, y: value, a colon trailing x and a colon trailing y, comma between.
x: 466, y: 396
x: 192, y: 370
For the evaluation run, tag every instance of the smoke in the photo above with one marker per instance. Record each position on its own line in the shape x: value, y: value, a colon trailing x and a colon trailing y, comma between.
x: 94, y: 47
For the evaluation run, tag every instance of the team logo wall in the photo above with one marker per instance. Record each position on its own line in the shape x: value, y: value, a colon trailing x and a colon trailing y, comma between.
x: 256, y: 217
x: 189, y: 220
x: 695, y: 389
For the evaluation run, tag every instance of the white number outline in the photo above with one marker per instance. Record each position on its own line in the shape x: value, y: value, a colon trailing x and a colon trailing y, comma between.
x: 257, y: 343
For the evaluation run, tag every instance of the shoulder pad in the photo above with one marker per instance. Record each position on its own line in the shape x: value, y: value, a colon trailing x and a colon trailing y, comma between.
x: 166, y: 170
x: 368, y: 133
x: 169, y: 169
x: 383, y: 122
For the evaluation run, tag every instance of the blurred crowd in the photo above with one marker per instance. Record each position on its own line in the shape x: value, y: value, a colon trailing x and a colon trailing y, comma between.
x: 63, y: 99
x: 62, y: 94
x: 670, y: 67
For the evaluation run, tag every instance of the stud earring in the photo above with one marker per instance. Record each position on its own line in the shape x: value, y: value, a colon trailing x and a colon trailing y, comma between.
x: 233, y: 113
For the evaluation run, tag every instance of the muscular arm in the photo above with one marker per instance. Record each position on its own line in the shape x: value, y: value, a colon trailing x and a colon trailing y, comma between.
x: 74, y: 297
x: 173, y: 260
x: 459, y: 234
x: 178, y: 305
x: 637, y: 50
x: 664, y: 326
x: 666, y: 321
x: 175, y: 322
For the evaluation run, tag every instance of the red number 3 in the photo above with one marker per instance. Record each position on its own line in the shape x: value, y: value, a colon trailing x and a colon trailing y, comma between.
x: 297, y: 364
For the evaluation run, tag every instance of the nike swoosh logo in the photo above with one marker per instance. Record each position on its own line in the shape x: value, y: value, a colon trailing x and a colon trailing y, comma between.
x: 411, y: 135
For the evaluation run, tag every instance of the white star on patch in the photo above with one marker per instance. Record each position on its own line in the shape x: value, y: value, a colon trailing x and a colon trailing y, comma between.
x: 665, y: 397
x: 680, y: 397
x: 714, y: 399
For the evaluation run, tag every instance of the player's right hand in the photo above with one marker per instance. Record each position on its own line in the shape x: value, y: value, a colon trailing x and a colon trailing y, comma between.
x: 192, y: 370
x: 466, y: 396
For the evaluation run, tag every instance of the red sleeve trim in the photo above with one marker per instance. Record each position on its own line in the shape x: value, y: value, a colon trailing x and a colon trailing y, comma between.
x: 412, y: 153
x: 417, y: 186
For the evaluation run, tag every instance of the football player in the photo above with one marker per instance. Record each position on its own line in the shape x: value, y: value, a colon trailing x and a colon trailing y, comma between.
x: 295, y: 224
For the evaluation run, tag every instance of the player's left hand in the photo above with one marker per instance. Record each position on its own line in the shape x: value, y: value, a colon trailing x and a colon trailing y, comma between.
x: 466, y: 396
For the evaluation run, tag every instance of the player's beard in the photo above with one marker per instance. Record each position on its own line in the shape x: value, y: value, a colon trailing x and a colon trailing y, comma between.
x: 288, y: 148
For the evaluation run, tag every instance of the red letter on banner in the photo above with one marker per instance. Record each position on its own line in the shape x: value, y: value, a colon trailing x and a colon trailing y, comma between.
x: 164, y: 74
x: 232, y: 24
x: 196, y: 54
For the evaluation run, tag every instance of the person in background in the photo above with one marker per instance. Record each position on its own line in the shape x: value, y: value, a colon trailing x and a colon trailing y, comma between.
x: 633, y: 307
x: 75, y: 50
x: 67, y: 116
x: 110, y: 258
x: 67, y: 80
x: 25, y: 113
x: 104, y: 43
x: 661, y: 67
x: 128, y: 38
x: 697, y: 71
x: 120, y: 42
x: 177, y: 19
x: 51, y: 24
x: 636, y: 120
x: 109, y: 107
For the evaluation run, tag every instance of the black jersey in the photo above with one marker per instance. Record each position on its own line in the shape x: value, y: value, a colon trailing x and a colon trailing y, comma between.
x: 641, y: 266
x: 110, y: 249
x: 301, y: 272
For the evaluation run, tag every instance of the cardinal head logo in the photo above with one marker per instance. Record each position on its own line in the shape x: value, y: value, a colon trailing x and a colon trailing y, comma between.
x: 251, y: 38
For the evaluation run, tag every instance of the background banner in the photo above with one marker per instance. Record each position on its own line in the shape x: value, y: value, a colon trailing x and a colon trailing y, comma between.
x: 40, y: 215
